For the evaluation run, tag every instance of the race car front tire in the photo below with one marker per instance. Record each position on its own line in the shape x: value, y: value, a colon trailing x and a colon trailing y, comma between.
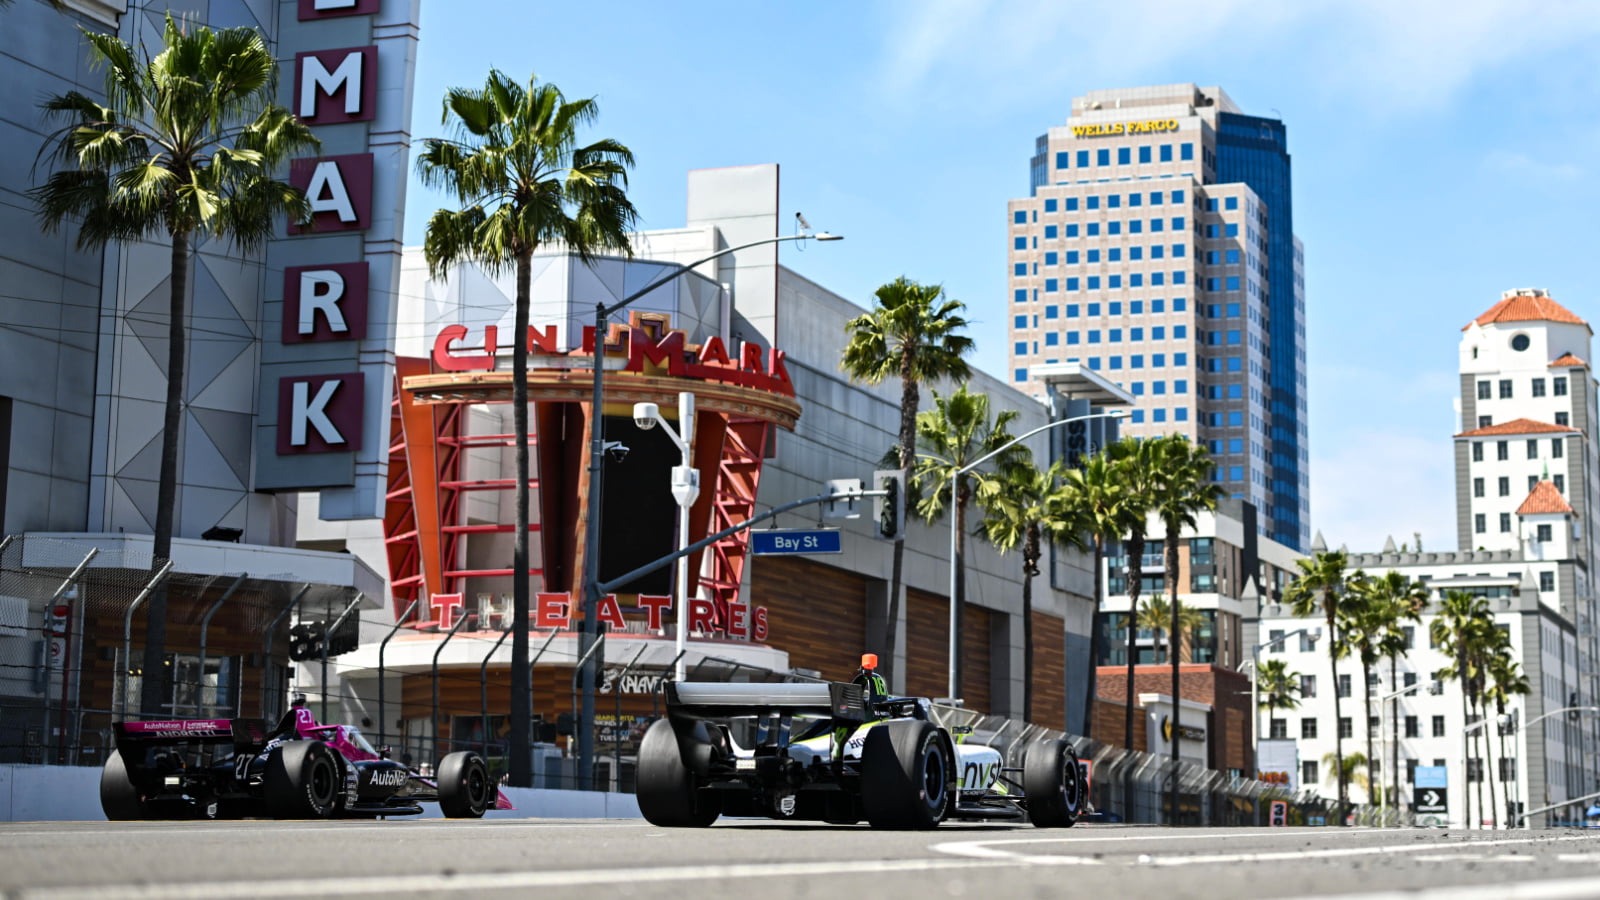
x: 667, y: 793
x: 119, y: 796
x: 465, y: 790
x: 1053, y: 784
x: 906, y: 775
x: 303, y: 781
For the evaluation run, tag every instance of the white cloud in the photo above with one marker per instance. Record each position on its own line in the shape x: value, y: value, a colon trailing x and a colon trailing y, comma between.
x: 1526, y: 168
x: 1373, y: 484
x: 1383, y: 56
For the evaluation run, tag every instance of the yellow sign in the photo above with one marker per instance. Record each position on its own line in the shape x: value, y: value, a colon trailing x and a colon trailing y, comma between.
x: 1152, y: 126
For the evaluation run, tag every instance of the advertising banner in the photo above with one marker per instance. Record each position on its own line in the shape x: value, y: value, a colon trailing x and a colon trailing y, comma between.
x: 1278, y: 762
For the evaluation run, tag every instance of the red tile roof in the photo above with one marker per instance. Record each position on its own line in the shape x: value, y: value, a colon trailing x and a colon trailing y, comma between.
x: 1526, y: 308
x: 1544, y: 498
x: 1518, y: 426
x: 1567, y: 360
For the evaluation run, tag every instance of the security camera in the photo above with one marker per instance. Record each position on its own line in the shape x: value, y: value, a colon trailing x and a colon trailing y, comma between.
x: 645, y: 415
x: 617, y: 450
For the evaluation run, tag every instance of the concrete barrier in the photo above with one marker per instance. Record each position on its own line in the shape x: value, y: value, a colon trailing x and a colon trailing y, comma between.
x: 72, y: 794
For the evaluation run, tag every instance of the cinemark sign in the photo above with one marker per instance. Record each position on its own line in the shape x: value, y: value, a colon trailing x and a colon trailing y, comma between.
x: 329, y: 302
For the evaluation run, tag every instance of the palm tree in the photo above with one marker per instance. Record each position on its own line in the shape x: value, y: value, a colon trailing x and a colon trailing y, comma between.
x: 1321, y: 585
x: 1456, y: 629
x: 1493, y: 646
x: 1183, y: 488
x: 185, y: 148
x: 1023, y: 507
x: 1139, y: 466
x: 1395, y: 600
x: 1279, y: 688
x: 515, y: 165
x: 952, y: 436
x: 1505, y: 681
x: 912, y: 331
x: 1157, y: 615
x: 1097, y: 506
x: 1347, y: 769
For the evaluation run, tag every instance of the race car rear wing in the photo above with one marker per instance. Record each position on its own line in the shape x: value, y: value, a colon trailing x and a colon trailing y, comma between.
x: 241, y: 733
x: 721, y: 699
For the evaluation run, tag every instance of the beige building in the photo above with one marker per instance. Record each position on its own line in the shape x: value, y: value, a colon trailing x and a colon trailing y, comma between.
x: 1156, y: 248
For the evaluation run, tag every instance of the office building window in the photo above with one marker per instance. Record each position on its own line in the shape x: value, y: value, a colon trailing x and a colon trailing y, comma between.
x: 1308, y: 772
x: 1346, y: 727
x: 1477, y: 487
x: 1502, y: 450
x: 1477, y: 451
x: 1072, y: 337
x: 1543, y: 535
x: 1475, y: 769
x: 1505, y: 389
x: 1485, y: 421
x: 1019, y: 243
x: 1555, y: 448
x: 1438, y: 726
x: 1547, y: 581
x: 1102, y: 157
x: 1050, y: 205
x: 1413, y: 728
x: 1308, y: 686
x: 1186, y: 151
x: 1020, y: 375
x: 1538, y: 387
x: 1083, y: 158
x: 1560, y: 482
x: 1504, y: 485
x: 1124, y: 156
x: 1508, y: 769
x: 1411, y: 771
x: 1485, y: 390
x: 1020, y: 217
x: 1278, y: 729
x: 1344, y: 685
x: 1308, y: 728
x: 1559, y: 385
x: 1533, y: 449
x: 1373, y: 725
x: 1563, y: 419
x: 1505, y: 523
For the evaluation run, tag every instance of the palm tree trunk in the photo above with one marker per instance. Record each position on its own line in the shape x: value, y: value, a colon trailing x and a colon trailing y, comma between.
x: 1488, y: 749
x: 1394, y: 748
x: 958, y: 602
x: 521, y: 723
x: 1374, y: 785
x: 155, y: 683
x: 1466, y: 716
x: 1030, y: 565
x: 910, y: 397
x: 1090, y: 692
x: 1478, y: 752
x: 1172, y: 598
x: 1135, y: 551
x: 1338, y: 714
x: 1505, y: 782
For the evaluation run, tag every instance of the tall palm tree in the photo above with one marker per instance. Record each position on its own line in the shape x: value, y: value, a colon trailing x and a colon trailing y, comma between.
x: 1025, y: 507
x: 1279, y: 688
x: 915, y: 332
x: 1396, y: 600
x: 523, y: 180
x: 956, y: 433
x: 1183, y: 489
x: 1139, y: 466
x: 1097, y: 506
x: 1505, y: 682
x: 1347, y: 769
x: 1493, y: 646
x: 1158, y: 615
x: 184, y: 147
x: 1320, y: 584
x: 1456, y: 629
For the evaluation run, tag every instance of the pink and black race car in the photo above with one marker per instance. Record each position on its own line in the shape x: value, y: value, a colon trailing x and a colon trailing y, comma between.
x: 236, y: 768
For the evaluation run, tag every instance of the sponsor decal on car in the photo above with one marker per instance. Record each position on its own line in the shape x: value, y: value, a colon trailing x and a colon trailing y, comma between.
x: 388, y: 778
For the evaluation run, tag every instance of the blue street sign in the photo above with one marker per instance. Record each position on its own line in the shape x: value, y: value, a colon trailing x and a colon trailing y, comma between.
x: 1431, y: 777
x: 792, y: 541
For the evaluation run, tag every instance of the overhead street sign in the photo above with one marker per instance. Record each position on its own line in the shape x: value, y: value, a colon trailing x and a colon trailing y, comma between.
x: 1429, y: 801
x: 788, y: 542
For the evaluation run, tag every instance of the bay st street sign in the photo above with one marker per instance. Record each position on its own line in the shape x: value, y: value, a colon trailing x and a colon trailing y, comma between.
x: 790, y: 542
x: 1430, y: 795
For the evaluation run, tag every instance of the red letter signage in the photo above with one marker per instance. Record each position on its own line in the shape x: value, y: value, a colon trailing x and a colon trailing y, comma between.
x: 340, y: 191
x: 320, y: 413
x: 325, y: 303
x: 332, y: 86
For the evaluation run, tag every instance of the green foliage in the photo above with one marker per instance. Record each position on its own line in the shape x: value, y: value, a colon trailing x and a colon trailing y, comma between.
x: 1278, y: 687
x: 186, y: 143
x: 953, y: 435
x: 515, y: 164
x: 913, y: 330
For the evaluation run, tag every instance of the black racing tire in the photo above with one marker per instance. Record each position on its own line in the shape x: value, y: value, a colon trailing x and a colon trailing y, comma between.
x: 907, y: 776
x: 119, y: 796
x: 1053, y: 784
x: 303, y: 781
x: 465, y: 789
x: 667, y: 793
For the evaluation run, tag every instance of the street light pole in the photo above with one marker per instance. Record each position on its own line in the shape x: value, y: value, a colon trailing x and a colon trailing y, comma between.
x: 1533, y: 721
x: 591, y: 539
x: 955, y: 563
x: 685, y: 490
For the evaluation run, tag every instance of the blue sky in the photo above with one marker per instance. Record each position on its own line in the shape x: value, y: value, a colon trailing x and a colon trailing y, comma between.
x: 1443, y: 152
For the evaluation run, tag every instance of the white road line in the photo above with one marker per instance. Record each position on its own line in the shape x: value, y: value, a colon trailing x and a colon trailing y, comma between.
x: 1556, y: 889
x: 486, y: 881
x: 1474, y: 857
x: 992, y: 849
x: 1579, y: 857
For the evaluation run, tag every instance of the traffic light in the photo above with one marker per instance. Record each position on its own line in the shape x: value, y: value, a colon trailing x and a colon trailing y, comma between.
x: 305, y: 641
x: 889, y: 509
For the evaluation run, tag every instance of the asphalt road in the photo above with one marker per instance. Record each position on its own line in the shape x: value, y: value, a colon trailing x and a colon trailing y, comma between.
x: 743, y: 859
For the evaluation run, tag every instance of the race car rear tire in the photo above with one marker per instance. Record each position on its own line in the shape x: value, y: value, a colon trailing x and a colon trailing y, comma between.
x: 303, y: 781
x: 119, y: 796
x: 465, y: 790
x: 667, y: 793
x: 906, y: 775
x: 1053, y: 784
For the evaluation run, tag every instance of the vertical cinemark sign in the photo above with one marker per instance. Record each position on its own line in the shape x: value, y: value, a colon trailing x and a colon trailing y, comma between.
x: 325, y: 384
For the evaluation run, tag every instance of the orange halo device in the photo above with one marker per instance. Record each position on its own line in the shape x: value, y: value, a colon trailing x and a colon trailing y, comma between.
x: 869, y: 661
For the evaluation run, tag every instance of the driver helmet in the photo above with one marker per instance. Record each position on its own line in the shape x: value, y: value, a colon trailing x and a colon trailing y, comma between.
x: 298, y: 701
